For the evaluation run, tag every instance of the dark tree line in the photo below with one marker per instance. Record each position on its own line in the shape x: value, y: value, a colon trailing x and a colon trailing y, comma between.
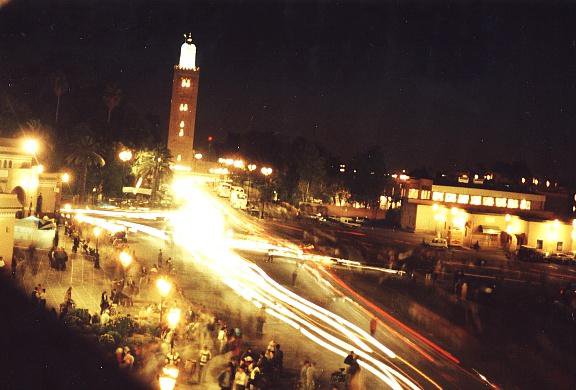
x: 306, y: 170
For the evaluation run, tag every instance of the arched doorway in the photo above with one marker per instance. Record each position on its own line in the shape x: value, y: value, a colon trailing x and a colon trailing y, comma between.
x: 20, y: 194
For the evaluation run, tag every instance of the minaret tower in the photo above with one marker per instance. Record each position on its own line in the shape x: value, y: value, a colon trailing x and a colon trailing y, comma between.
x: 183, y: 105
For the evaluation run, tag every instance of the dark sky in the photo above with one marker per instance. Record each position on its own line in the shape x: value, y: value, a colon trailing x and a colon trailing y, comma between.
x: 432, y: 82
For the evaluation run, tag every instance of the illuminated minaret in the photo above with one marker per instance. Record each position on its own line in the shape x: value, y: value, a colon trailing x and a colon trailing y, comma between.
x: 183, y: 105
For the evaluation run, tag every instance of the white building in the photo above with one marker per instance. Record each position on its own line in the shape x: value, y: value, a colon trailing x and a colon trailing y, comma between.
x: 465, y: 215
x: 22, y: 175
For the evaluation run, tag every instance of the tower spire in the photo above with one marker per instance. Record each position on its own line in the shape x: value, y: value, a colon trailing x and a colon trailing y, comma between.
x: 187, y: 53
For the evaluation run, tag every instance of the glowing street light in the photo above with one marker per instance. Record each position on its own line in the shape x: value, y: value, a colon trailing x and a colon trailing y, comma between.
x: 252, y: 167
x: 65, y: 177
x: 198, y: 156
x: 125, y: 155
x: 164, y: 286
x: 39, y: 168
x: 97, y: 231
x: 266, y: 171
x: 167, y: 380
x: 125, y: 259
x: 31, y: 146
x: 173, y: 317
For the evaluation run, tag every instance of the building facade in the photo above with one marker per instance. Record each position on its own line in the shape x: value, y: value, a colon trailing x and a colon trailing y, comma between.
x: 20, y: 174
x: 466, y: 215
x: 9, y: 206
x: 183, y: 106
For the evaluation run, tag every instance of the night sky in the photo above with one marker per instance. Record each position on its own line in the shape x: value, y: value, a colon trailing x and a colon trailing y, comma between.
x: 436, y: 84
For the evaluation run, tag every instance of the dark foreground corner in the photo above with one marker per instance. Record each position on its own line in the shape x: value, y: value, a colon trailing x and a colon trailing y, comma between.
x: 40, y: 353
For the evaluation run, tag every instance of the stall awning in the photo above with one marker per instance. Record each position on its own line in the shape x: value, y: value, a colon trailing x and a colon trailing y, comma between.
x: 492, y: 230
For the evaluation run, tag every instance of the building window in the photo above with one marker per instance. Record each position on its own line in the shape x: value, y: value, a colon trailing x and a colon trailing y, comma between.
x: 512, y: 203
x: 525, y: 204
x: 501, y: 202
x: 450, y: 197
x: 476, y: 200
x: 10, y: 164
x: 412, y: 193
x: 463, y: 198
x: 186, y: 83
x: 438, y: 196
x: 181, y: 124
x: 179, y: 157
x: 488, y: 201
x: 539, y: 244
x: 183, y: 107
x: 559, y: 246
x: 424, y: 194
x: 181, y: 133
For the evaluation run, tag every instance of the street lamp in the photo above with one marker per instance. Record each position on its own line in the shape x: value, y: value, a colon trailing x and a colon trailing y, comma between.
x: 164, y: 286
x: 252, y: 167
x: 125, y: 259
x: 65, y: 177
x: 173, y: 317
x: 97, y: 230
x: 266, y: 171
x: 125, y: 155
x: 31, y: 146
x: 198, y: 156
x: 167, y: 380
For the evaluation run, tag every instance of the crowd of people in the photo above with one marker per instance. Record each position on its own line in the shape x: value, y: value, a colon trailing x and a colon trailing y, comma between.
x: 251, y: 370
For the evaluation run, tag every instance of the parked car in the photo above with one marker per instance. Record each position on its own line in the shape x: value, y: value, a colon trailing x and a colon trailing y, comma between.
x: 439, y: 243
x: 531, y: 254
x: 561, y: 258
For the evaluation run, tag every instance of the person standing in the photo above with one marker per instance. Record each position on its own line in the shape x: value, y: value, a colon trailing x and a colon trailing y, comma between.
x: 222, y: 338
x: 311, y: 376
x: 303, y: 370
x: 42, y: 297
x: 104, y: 302
x: 278, y: 361
x: 159, y: 258
x: 373, y: 325
x: 128, y: 360
x: 225, y: 379
x: 203, y: 360
x: 68, y: 296
x: 255, y: 380
x: 14, y: 265
x: 97, y: 259
x: 240, y: 379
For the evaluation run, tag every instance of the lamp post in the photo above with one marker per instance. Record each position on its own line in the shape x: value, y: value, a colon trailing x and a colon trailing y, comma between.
x: 164, y: 286
x: 125, y: 259
x: 266, y: 171
x: 167, y: 380
x: 97, y: 231
x: 125, y: 155
x: 173, y: 318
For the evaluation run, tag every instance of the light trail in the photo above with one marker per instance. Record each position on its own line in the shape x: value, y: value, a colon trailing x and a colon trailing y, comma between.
x: 201, y: 227
x: 208, y: 243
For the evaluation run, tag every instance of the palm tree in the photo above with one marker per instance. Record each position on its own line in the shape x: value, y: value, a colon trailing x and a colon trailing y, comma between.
x: 112, y: 98
x: 85, y: 154
x: 153, y: 166
x: 60, y: 87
